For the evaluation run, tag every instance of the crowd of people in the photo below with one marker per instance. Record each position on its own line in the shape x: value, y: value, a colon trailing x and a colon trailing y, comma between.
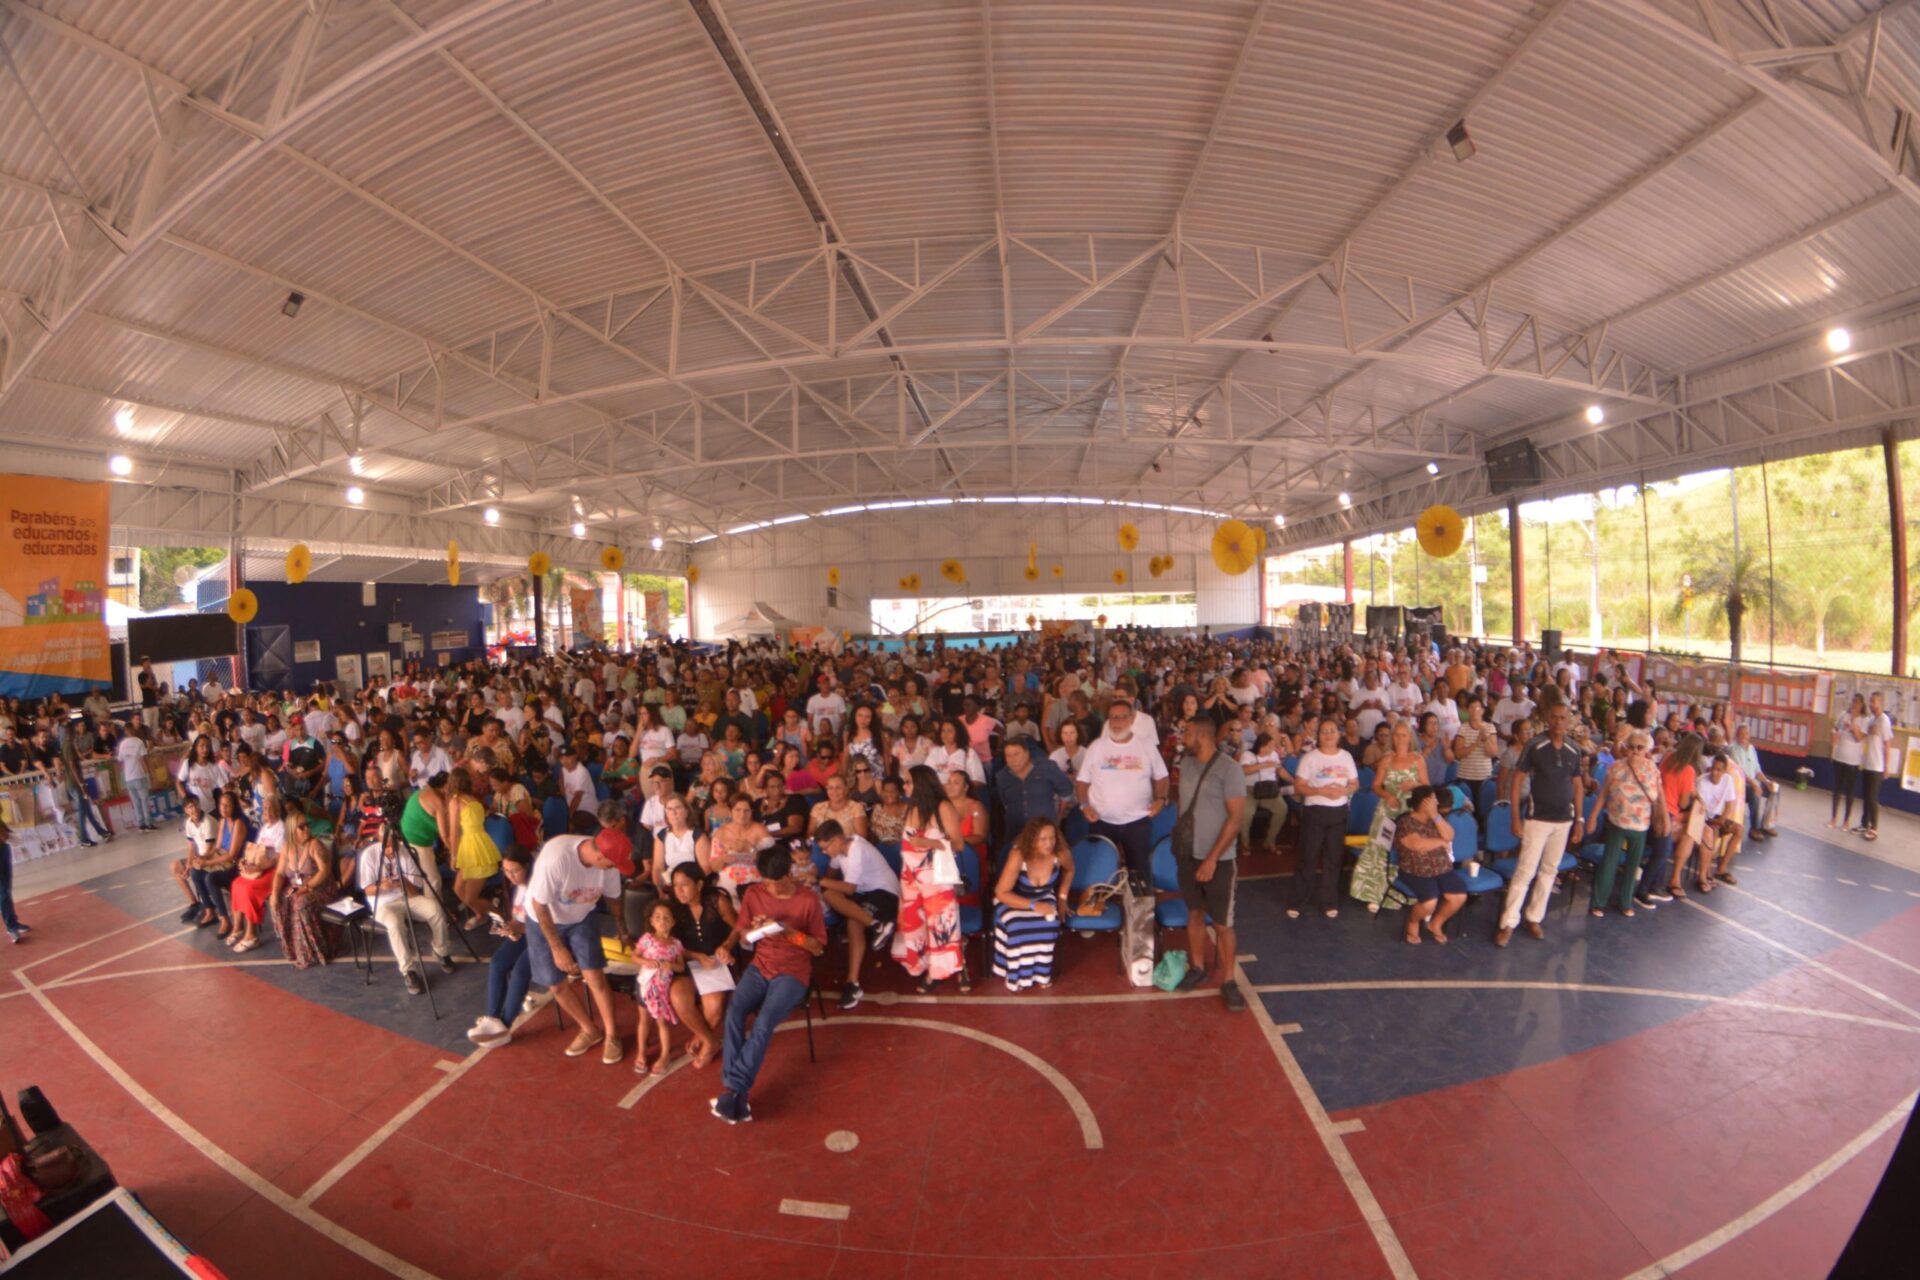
x: 718, y: 812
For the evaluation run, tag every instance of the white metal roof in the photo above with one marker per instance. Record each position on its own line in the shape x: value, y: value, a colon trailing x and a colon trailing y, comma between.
x: 697, y: 263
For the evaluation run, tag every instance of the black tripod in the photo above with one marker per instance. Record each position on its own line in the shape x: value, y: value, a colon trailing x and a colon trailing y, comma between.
x: 391, y: 855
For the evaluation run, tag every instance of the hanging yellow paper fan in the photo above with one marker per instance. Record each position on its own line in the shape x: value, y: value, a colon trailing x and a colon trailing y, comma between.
x: 299, y: 563
x: 913, y: 582
x: 1119, y: 577
x: 1033, y: 558
x: 1440, y: 531
x: 1059, y: 571
x: 242, y: 605
x: 833, y: 577
x: 693, y: 574
x: 1233, y: 548
x: 1129, y: 537
x: 953, y: 571
x: 1100, y: 621
x: 1259, y: 538
x: 539, y: 564
x: 1032, y: 622
x: 612, y: 559
x: 1157, y: 566
x: 1032, y: 573
x: 453, y: 564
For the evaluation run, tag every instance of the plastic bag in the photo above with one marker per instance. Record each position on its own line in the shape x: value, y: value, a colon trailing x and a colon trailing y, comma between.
x: 1171, y: 967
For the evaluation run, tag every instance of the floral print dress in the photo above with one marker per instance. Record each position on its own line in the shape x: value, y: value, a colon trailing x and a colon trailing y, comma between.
x: 1372, y: 879
x: 926, y: 938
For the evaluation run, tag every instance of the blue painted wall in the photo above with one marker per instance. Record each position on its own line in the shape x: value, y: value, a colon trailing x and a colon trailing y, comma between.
x: 331, y: 613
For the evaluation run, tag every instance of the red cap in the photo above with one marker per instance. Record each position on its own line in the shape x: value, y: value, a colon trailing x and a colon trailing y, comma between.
x: 615, y: 848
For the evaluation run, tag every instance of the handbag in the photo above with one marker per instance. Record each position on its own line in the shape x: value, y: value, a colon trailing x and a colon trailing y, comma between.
x: 946, y: 867
x: 1183, y: 826
x: 1267, y: 789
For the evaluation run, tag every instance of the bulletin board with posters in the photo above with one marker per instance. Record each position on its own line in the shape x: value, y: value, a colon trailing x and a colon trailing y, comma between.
x: 1689, y: 680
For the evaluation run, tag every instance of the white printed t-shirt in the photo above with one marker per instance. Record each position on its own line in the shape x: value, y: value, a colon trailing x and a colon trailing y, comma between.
x: 1120, y: 777
x: 568, y: 886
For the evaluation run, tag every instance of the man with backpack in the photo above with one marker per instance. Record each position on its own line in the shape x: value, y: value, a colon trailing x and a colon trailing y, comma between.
x: 1213, y: 791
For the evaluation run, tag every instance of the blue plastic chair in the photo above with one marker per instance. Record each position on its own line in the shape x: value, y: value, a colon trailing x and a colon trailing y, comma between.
x: 1360, y: 812
x: 1486, y: 880
x: 594, y: 769
x: 1164, y: 820
x: 1500, y: 837
x: 973, y: 917
x: 500, y: 831
x: 1366, y: 779
x: 1451, y: 773
x: 1095, y: 861
x: 554, y: 819
x: 1291, y: 764
x: 1074, y: 827
x: 1466, y: 836
x: 1171, y: 913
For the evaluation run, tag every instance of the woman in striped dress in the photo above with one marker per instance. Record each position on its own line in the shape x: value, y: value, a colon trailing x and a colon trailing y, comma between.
x: 1027, y: 900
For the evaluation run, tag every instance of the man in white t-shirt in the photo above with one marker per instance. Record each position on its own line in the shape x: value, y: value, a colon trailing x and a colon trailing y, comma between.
x: 826, y: 710
x: 1445, y: 709
x: 1403, y: 695
x: 1121, y: 787
x: 1513, y: 707
x: 585, y: 690
x: 398, y: 892
x: 426, y: 759
x: 1369, y: 703
x: 571, y: 874
x: 131, y: 752
x: 861, y: 886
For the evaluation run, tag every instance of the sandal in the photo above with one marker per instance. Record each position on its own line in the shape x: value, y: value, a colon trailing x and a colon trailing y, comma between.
x: 1627, y: 912
x: 1433, y: 931
x: 1596, y: 913
x: 1872, y: 833
x: 1676, y: 891
x: 926, y: 986
x: 1412, y: 939
x: 966, y: 983
x: 1703, y: 884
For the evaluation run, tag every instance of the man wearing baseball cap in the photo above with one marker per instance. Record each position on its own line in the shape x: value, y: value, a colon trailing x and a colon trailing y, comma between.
x: 571, y: 874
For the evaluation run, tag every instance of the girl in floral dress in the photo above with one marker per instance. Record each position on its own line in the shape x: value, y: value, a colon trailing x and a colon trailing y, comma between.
x: 660, y: 956
x: 1399, y: 772
x: 927, y: 939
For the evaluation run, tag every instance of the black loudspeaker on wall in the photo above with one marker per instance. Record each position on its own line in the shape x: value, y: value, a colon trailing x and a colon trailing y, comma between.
x: 1550, y: 645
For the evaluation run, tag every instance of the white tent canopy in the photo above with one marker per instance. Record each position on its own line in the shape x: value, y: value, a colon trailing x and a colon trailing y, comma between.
x: 761, y: 620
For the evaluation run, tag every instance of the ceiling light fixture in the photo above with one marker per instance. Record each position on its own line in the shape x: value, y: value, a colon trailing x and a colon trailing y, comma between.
x: 123, y: 419
x: 356, y: 495
x: 120, y: 464
x: 1433, y: 468
x: 579, y: 529
x: 491, y: 515
x: 291, y: 307
x: 1279, y: 521
x: 1461, y: 143
x: 1838, y: 340
x: 356, y: 464
x: 1595, y: 415
x: 658, y: 542
x: 1346, y: 499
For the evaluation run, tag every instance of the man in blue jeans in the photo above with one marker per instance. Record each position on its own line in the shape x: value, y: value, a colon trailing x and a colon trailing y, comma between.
x: 77, y: 743
x: 793, y: 930
x: 15, y: 930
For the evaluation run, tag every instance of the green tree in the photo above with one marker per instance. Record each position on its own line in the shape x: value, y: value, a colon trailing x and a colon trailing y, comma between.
x: 157, y: 566
x: 1729, y: 581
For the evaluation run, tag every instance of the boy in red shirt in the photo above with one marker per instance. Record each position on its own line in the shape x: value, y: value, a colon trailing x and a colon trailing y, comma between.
x: 776, y: 983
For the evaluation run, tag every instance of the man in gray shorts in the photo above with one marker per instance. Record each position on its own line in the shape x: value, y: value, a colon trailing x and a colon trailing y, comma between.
x: 1213, y: 791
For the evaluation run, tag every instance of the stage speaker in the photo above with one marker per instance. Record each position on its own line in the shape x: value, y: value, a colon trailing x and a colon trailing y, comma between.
x: 1550, y: 645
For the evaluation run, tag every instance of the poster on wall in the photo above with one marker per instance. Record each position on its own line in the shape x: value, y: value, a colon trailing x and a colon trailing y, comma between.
x: 413, y: 647
x: 657, y: 614
x: 1910, y: 770
x: 587, y: 626
x: 306, y: 651
x: 1340, y: 623
x: 53, y: 567
x: 346, y: 669
x: 377, y: 665
x: 449, y: 639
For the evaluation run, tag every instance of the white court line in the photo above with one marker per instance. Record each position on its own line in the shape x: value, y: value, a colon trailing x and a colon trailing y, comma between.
x: 1778, y: 1200
x: 1879, y: 888
x: 446, y: 1065
x: 1832, y: 933
x: 379, y: 1136
x: 1827, y: 969
x: 260, y: 1186
x: 1383, y: 1234
x: 93, y: 942
x: 1586, y: 988
x: 815, y: 1209
x: 1854, y: 883
x: 645, y: 1087
x: 122, y: 955
x: 1345, y: 1127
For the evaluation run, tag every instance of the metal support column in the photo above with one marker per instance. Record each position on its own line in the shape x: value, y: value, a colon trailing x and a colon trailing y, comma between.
x: 1518, y: 569
x: 1897, y: 526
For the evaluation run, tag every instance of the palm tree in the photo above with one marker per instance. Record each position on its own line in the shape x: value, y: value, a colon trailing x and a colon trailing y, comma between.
x: 1729, y: 580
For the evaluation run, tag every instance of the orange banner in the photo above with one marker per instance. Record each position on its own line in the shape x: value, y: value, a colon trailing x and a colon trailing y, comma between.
x: 53, y: 570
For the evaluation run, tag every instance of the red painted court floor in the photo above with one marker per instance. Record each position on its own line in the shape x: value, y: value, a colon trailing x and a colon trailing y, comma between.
x: 1713, y: 1091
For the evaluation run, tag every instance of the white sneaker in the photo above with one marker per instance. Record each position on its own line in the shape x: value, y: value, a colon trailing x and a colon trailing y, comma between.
x: 486, y: 1029
x: 536, y: 1001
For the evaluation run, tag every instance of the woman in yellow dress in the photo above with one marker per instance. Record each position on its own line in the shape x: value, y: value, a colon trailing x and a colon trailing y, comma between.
x: 475, y: 856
